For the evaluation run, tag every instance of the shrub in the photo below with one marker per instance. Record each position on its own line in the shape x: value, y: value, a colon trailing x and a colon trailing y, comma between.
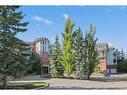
x: 97, y: 70
x: 122, y: 66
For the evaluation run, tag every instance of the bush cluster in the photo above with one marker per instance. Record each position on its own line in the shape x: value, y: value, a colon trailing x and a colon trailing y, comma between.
x: 122, y: 66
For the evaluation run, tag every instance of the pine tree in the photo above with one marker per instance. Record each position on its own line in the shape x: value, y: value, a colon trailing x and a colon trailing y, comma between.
x: 55, y: 58
x: 68, y: 57
x: 12, y: 49
x: 90, y: 51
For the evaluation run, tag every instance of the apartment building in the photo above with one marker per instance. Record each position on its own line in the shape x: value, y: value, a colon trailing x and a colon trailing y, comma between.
x: 40, y: 46
x: 106, y: 57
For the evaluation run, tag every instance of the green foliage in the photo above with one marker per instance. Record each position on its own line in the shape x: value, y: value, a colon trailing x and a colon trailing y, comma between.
x: 17, y: 70
x: 90, y: 51
x: 12, y: 49
x: 79, y: 54
x: 68, y: 57
x: 32, y: 85
x: 34, y: 65
x: 97, y: 70
x: 122, y: 66
x: 78, y: 49
x: 55, y: 60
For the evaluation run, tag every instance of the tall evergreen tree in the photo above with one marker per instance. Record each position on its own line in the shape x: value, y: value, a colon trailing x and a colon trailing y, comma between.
x: 67, y: 58
x: 90, y: 51
x: 55, y: 58
x: 12, y: 49
x: 78, y: 48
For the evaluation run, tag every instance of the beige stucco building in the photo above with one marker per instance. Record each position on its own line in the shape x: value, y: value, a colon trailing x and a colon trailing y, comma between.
x: 106, y: 57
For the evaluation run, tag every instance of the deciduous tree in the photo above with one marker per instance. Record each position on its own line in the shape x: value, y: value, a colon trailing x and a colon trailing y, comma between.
x: 90, y: 51
x: 68, y: 57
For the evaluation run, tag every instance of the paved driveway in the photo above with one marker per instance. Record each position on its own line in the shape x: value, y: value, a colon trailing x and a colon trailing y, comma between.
x: 79, y: 84
x: 84, y: 84
x: 56, y: 83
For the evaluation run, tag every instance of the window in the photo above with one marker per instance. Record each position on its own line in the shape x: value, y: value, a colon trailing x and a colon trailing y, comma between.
x: 43, y: 47
x: 103, y: 53
x: 43, y: 42
x: 114, y: 60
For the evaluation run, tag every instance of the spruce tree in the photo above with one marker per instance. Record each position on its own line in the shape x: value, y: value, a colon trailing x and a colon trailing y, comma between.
x: 55, y: 60
x: 68, y: 57
x: 12, y: 49
x: 78, y: 48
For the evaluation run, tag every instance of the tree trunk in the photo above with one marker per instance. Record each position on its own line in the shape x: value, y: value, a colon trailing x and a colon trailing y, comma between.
x: 14, y: 79
x: 88, y: 76
x: 4, y: 81
x: 68, y: 75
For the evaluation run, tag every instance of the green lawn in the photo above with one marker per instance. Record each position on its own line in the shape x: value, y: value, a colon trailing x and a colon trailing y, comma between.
x: 32, y: 85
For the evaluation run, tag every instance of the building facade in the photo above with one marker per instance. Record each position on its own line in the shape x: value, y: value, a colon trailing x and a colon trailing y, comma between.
x: 106, y: 57
x: 40, y: 46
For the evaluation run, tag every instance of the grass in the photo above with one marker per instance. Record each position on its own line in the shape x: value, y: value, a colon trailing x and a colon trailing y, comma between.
x: 33, y: 85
